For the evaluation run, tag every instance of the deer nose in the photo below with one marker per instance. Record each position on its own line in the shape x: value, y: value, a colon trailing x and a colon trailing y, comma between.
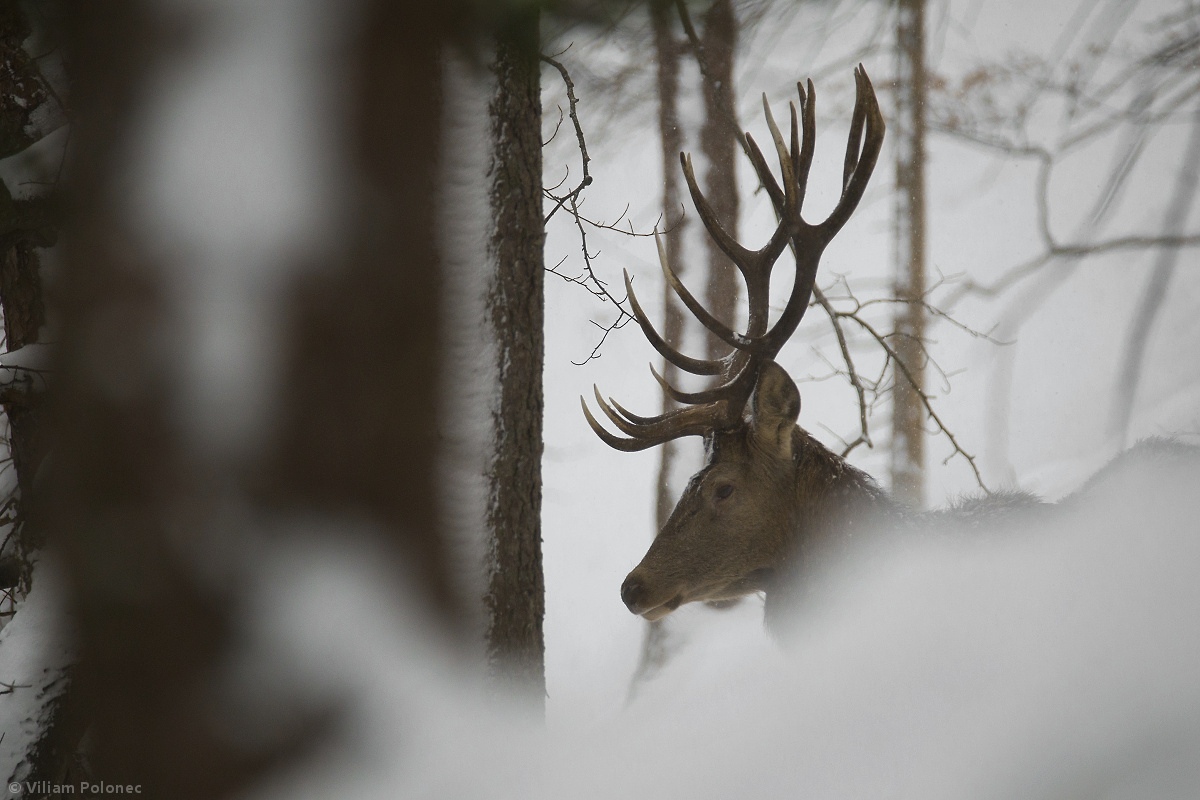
x: 633, y: 592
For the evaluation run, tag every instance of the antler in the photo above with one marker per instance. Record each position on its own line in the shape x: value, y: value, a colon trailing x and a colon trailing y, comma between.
x: 721, y: 407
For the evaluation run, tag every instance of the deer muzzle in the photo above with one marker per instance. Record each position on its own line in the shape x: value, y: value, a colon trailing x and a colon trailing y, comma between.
x: 644, y: 600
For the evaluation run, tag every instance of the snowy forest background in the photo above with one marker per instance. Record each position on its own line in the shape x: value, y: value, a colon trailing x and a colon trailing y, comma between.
x: 329, y: 647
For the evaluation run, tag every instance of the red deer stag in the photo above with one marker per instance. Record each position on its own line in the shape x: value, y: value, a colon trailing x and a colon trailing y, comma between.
x: 772, y: 498
x: 770, y: 493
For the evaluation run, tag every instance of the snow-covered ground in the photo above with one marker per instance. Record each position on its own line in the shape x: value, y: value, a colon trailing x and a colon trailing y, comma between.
x: 35, y: 651
x: 1053, y: 662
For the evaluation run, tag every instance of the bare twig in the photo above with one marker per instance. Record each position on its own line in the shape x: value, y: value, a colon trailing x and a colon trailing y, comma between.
x: 586, y: 180
x: 926, y: 401
x: 571, y: 201
x: 864, y: 435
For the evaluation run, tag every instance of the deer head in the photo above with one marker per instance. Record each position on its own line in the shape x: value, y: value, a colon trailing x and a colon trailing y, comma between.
x: 767, y: 483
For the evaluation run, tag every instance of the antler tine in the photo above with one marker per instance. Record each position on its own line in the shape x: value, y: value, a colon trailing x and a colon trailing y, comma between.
x: 722, y: 331
x: 693, y: 421
x: 636, y: 419
x: 862, y: 152
x: 615, y: 442
x: 794, y: 159
x: 794, y: 153
x: 764, y: 172
x: 696, y: 366
x: 738, y: 254
x: 808, y: 107
x: 729, y: 391
x: 626, y: 426
x: 854, y: 141
x: 626, y: 419
x: 785, y: 163
x: 680, y: 396
x: 801, y: 155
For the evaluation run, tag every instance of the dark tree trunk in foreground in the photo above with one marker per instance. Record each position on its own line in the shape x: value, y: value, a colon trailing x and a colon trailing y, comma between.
x: 122, y: 488
x: 28, y: 111
x: 360, y: 434
x: 514, y: 597
x: 908, y: 410
x: 356, y: 438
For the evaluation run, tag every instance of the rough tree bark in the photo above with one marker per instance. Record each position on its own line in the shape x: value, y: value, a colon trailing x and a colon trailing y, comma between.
x: 515, y: 596
x: 908, y: 413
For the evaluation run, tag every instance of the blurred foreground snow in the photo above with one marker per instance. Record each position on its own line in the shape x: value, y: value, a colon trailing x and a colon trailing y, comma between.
x: 1056, y: 662
x: 35, y: 652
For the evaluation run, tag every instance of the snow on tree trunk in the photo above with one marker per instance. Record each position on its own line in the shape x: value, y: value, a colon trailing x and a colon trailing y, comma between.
x: 908, y: 412
x: 515, y: 595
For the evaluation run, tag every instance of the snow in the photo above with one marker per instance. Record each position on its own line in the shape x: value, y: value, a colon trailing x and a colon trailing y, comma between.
x: 468, y: 392
x: 1042, y: 663
x: 45, y: 118
x: 34, y: 652
x: 25, y: 364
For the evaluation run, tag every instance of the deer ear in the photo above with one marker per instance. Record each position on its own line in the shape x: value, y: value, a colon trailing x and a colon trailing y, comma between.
x: 775, y: 408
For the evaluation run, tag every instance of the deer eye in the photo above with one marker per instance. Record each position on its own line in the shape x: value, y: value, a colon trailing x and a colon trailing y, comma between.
x: 724, y: 490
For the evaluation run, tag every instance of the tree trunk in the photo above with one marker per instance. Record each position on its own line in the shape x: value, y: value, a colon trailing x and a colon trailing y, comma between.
x: 121, y: 489
x: 668, y: 50
x: 718, y: 142
x: 359, y: 435
x: 356, y: 437
x: 1180, y: 207
x: 515, y: 598
x: 718, y: 145
x: 28, y: 111
x: 908, y: 412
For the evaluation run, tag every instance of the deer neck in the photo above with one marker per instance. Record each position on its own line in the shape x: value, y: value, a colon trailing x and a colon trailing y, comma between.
x: 835, y: 501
